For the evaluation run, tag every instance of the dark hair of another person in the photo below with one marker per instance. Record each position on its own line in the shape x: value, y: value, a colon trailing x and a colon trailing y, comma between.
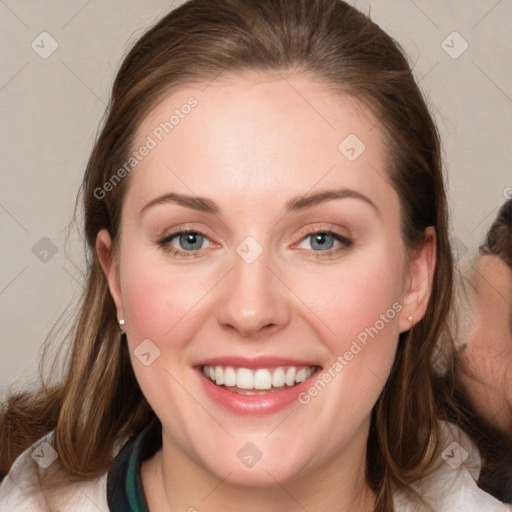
x: 499, y: 237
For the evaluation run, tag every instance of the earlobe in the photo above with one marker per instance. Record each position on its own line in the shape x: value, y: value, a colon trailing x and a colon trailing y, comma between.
x: 110, y: 267
x: 419, y: 282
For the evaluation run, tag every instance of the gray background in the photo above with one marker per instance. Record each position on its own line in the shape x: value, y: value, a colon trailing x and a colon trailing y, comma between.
x: 50, y: 109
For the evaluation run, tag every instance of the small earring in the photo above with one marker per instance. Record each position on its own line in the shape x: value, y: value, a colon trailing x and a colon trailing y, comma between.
x: 411, y: 320
x: 121, y: 325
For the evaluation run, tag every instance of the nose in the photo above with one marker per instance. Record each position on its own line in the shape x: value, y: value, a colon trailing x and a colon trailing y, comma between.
x: 253, y: 299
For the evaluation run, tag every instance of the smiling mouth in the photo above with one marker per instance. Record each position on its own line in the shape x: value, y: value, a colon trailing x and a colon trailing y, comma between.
x: 260, y: 381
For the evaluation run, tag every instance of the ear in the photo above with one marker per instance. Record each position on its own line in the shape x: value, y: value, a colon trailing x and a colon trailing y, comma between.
x: 418, y: 288
x: 110, y: 267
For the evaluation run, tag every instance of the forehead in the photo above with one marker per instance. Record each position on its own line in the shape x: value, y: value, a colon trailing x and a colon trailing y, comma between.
x: 248, y: 136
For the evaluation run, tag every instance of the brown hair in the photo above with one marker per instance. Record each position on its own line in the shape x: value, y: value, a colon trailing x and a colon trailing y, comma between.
x: 99, y: 400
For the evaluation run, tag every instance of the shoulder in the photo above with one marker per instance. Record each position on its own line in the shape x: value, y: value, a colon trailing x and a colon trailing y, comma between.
x: 451, y: 484
x: 26, y: 489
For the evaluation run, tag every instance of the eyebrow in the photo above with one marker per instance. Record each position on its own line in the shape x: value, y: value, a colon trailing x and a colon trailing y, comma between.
x: 294, y: 204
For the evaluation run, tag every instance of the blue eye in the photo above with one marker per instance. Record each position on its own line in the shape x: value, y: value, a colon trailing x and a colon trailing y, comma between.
x: 194, y: 239
x: 188, y: 243
x: 322, y: 243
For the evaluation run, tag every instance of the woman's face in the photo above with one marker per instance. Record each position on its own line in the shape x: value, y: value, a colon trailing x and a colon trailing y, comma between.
x: 253, y: 288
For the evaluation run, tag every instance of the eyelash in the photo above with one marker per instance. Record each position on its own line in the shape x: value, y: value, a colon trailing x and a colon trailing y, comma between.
x: 164, y: 243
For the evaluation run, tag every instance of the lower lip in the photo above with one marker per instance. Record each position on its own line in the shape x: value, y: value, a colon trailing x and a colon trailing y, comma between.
x: 268, y: 403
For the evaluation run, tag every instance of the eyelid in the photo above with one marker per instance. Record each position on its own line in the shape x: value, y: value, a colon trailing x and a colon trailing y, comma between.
x: 182, y: 229
x: 322, y: 228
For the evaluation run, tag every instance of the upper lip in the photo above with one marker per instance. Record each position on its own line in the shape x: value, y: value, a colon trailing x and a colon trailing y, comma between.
x: 254, y: 362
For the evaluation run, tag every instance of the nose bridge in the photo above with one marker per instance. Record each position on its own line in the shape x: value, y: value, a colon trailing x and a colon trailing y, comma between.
x: 252, y: 298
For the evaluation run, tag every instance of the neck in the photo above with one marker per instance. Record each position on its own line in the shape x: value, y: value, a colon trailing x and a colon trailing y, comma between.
x: 174, y: 482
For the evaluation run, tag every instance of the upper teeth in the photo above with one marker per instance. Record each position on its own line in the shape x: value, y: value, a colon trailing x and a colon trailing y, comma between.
x: 261, y: 378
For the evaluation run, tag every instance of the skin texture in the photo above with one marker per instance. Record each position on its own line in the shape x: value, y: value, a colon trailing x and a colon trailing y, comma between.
x: 251, y: 144
x: 488, y: 340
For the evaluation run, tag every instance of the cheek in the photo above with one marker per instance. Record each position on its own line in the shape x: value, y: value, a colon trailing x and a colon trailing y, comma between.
x: 358, y: 314
x: 160, y: 305
x: 156, y: 297
x: 353, y: 298
x: 358, y: 308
